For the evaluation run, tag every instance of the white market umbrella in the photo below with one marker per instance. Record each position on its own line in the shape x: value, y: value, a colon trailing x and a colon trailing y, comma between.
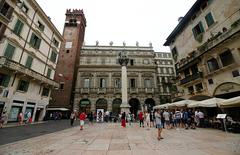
x: 229, y: 103
x: 161, y: 106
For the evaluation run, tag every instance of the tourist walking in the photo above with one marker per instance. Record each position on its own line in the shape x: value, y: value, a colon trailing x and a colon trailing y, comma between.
x: 200, y: 115
x: 72, y: 118
x: 158, y: 124
x: 141, y: 119
x: 3, y: 119
x: 151, y: 119
x: 123, y: 119
x: 166, y: 116
x: 90, y: 118
x: 162, y: 119
x: 129, y: 118
x: 29, y: 115
x: 82, y: 118
x: 185, y: 118
x: 178, y: 118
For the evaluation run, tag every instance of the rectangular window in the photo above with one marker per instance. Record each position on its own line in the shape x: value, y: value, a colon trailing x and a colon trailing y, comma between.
x: 199, y: 87
x: 212, y: 64
x: 61, y: 86
x: 40, y: 26
x: 4, y: 80
x: 190, y: 90
x: 235, y: 73
x: 132, y: 83
x: 5, y: 8
x: 35, y: 41
x: 86, y: 83
x: 117, y: 83
x: 226, y: 58
x: 53, y: 56
x: 9, y: 51
x: 56, y: 43
x: 18, y: 27
x: 24, y: 8
x: 45, y: 91
x: 49, y: 73
x: 29, y: 61
x: 198, y: 29
x: 147, y: 83
x: 186, y: 72
x: 102, y: 83
x: 23, y: 85
x: 131, y: 62
x: 209, y: 19
x: 174, y: 53
x: 210, y: 81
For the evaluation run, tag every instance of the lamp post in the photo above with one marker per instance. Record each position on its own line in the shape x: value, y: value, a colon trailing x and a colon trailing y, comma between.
x: 123, y: 61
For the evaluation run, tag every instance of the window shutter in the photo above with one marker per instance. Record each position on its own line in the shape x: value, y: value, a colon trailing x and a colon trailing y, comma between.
x: 194, y: 32
x: 209, y: 19
x: 32, y: 39
x: 9, y: 51
x: 201, y: 26
x: 49, y: 73
x: 29, y: 62
x: 38, y: 43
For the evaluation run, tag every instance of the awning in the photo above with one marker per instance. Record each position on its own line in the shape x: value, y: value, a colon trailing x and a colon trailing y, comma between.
x: 182, y: 103
x: 161, y: 106
x: 229, y: 103
x: 59, y: 109
x: 212, y: 102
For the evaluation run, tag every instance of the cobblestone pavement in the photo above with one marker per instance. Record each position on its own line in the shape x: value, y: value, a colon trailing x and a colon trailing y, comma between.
x: 112, y: 139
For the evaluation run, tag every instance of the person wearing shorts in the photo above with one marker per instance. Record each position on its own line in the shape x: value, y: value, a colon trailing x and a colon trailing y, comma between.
x: 159, y: 124
x: 82, y: 117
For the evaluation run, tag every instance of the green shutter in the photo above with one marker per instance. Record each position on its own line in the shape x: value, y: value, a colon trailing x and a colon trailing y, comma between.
x: 5, y: 80
x: 18, y: 27
x: 201, y: 26
x: 29, y: 62
x: 194, y: 32
x: 209, y: 19
x: 53, y: 56
x: 32, y: 39
x: 38, y: 43
x: 9, y: 51
x: 49, y: 73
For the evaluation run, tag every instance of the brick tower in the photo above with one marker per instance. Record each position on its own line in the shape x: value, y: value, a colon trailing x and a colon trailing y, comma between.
x: 66, y: 71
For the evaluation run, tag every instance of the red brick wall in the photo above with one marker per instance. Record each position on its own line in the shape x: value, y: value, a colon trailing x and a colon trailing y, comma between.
x: 68, y: 62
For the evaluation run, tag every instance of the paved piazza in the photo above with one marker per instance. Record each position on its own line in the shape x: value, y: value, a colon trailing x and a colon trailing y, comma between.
x: 111, y: 139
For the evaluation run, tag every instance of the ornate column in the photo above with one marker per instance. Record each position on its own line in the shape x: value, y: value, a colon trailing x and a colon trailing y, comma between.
x: 109, y: 107
x: 123, y: 61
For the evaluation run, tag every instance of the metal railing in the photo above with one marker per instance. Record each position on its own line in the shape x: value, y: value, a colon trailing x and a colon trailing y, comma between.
x: 191, y: 78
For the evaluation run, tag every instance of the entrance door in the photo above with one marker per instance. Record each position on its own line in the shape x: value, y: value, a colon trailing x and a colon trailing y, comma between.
x: 38, y: 112
x: 149, y: 103
x: 13, y: 116
x: 85, y: 106
x: 116, y: 106
x: 135, y: 106
x: 101, y: 104
x: 1, y: 107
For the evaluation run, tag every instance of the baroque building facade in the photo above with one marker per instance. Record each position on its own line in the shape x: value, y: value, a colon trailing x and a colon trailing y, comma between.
x: 29, y: 47
x: 206, y: 48
x: 165, y: 76
x: 98, y: 84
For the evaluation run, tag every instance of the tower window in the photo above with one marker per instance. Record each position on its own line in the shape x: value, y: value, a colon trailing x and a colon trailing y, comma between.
x: 131, y: 62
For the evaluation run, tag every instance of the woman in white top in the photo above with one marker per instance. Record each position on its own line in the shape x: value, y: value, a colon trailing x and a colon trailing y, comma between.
x: 148, y: 119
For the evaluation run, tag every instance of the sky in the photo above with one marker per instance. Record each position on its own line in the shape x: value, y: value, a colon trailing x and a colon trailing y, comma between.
x: 121, y: 21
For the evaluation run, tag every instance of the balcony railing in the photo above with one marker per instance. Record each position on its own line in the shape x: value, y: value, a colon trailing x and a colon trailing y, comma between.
x: 191, y: 78
x: 22, y: 69
x: 115, y: 90
x: 211, y: 42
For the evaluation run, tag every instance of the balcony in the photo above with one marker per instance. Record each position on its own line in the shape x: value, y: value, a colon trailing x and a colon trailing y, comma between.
x: 101, y: 90
x: 190, y: 78
x: 212, y: 42
x: 117, y: 90
x: 133, y: 90
x: 85, y: 91
x: 12, y: 65
x: 149, y: 90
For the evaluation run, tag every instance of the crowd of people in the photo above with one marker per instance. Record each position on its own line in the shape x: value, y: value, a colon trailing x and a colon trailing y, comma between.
x: 168, y: 119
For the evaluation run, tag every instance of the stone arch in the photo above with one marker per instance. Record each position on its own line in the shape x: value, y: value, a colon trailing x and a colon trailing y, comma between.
x: 116, y: 106
x: 135, y: 106
x: 227, y: 90
x: 101, y: 103
x: 85, y: 105
x: 149, y: 104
